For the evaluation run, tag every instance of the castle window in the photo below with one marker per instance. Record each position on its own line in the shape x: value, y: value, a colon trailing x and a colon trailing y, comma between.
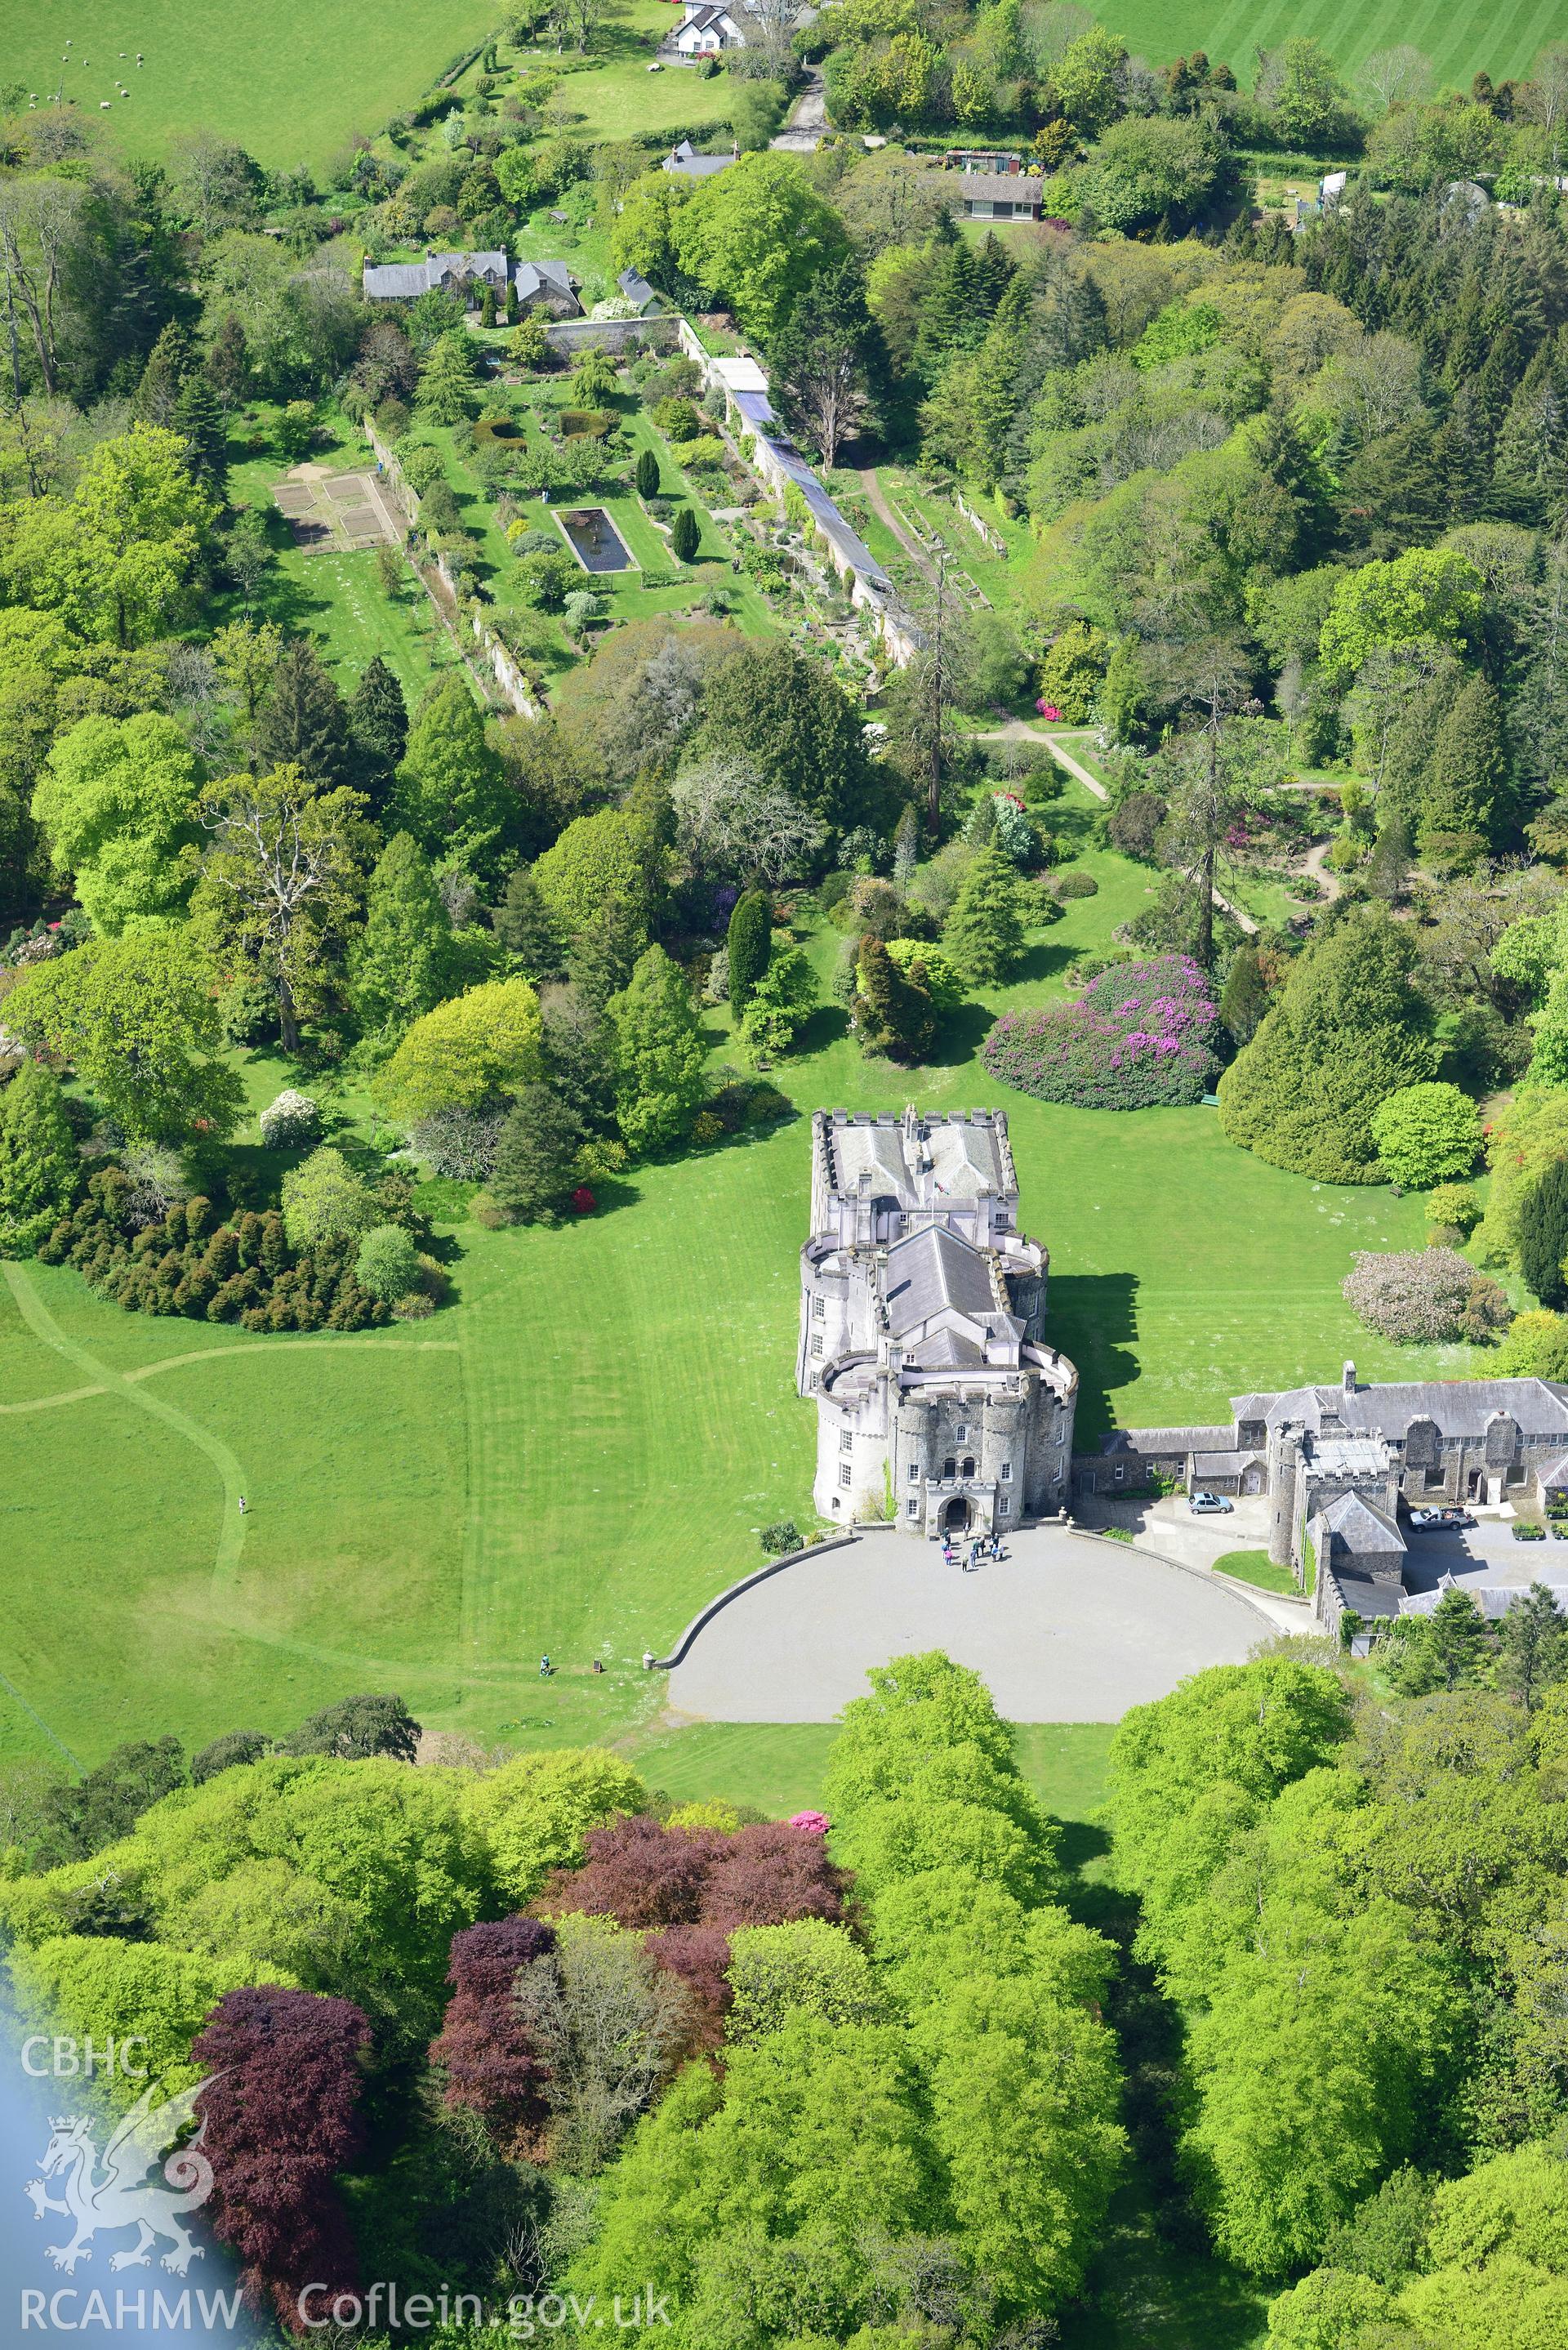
x: 819, y: 1307
x: 845, y: 1475
x: 968, y: 1470
x: 1121, y: 1472
x: 950, y: 1466
x: 961, y: 1434
x: 816, y: 1342
x: 846, y: 1439
x: 1007, y: 1472
x: 1004, y: 1505
x: 914, y: 1472
x: 914, y: 1509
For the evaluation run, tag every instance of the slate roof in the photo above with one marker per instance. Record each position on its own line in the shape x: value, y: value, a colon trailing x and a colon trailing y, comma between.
x: 685, y: 160
x: 407, y: 280
x: 1367, y: 1598
x: 952, y: 1160
x: 532, y: 278
x: 931, y: 1270
x: 1493, y: 1599
x: 1459, y: 1407
x: 1223, y: 1464
x: 1364, y: 1529
x: 635, y: 287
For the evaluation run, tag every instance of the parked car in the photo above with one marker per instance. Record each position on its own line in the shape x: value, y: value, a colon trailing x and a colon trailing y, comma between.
x: 1441, y: 1521
x: 1204, y: 1505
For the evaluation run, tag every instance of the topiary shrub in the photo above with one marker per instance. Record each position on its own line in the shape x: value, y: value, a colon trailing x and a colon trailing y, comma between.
x: 1424, y: 1297
x: 1074, y: 883
x: 290, y: 1121
x: 1138, y: 1036
x: 780, y: 1539
x: 685, y: 535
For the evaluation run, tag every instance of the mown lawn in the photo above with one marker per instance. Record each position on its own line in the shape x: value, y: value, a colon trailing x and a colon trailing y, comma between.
x: 1459, y: 38
x: 579, y: 1451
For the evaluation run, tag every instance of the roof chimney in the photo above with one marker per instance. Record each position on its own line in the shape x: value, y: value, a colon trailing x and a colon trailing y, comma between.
x: 1349, y: 1379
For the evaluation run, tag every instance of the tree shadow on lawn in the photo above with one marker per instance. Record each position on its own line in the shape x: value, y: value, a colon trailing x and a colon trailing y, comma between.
x: 828, y: 1025
x: 1045, y: 959
x: 1093, y: 1318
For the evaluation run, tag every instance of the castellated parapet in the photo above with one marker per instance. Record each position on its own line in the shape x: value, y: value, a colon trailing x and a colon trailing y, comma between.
x: 938, y: 1401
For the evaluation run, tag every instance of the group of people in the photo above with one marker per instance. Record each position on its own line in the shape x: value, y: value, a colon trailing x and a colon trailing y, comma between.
x: 980, y: 1547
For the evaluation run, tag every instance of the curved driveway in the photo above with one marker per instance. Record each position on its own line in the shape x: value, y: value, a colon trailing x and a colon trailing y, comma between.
x: 1066, y: 1630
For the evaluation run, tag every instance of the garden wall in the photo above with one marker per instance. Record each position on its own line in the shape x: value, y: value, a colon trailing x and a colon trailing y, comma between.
x: 779, y: 468
x: 570, y: 336
x: 510, y: 681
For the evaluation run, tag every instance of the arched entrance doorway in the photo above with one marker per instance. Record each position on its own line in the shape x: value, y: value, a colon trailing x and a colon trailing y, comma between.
x: 955, y: 1515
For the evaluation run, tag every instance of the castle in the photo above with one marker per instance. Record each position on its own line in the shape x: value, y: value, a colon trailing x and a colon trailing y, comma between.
x: 941, y: 1404
x: 938, y: 1402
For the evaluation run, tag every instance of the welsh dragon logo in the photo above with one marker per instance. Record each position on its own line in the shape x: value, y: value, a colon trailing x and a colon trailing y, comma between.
x: 121, y: 2194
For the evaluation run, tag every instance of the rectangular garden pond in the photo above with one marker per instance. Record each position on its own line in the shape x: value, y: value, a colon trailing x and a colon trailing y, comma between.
x: 595, y: 540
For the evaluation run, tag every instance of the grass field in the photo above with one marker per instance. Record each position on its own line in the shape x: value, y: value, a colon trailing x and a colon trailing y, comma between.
x: 581, y: 1449
x: 291, y: 85
x: 1459, y: 38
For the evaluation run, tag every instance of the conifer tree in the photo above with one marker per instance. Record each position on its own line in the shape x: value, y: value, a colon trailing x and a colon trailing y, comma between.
x: 301, y: 721
x: 1543, y: 1235
x: 684, y: 535
x: 984, y: 932
x: 1467, y: 780
x: 446, y: 380
x: 379, y: 724
x: 199, y: 415
x: 659, y: 1052
x: 1347, y: 1031
x: 229, y: 361
x: 536, y: 1158
x: 169, y: 364
x: 1533, y: 1646
x: 893, y: 1010
x: 905, y: 847
x: 750, y: 944
x: 647, y: 473
x: 451, y: 793
x: 403, y: 957
x: 1245, y: 998
x: 38, y: 1160
x: 527, y: 928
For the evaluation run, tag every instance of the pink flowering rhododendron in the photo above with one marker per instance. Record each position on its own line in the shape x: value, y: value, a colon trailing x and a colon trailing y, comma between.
x: 814, y: 1823
x: 1138, y: 1036
x: 1047, y: 710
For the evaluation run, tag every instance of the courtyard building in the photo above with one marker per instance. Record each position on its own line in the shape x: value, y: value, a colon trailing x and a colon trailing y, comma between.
x: 939, y: 1402
x: 1342, y: 1466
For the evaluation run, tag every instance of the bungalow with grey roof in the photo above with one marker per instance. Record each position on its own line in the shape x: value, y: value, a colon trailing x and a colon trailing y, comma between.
x: 684, y: 160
